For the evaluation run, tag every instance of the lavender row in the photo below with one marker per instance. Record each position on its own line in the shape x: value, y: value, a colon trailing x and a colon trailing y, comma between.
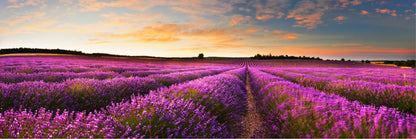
x: 30, y: 65
x: 85, y: 94
x: 144, y: 73
x: 9, y: 77
x: 183, y: 110
x: 150, y: 116
x: 73, y: 95
x: 393, y: 96
x: 222, y: 95
x: 386, y: 76
x: 291, y: 110
x: 178, y: 77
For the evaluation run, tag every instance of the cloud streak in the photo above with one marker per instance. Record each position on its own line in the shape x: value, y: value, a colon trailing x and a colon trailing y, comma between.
x: 23, y: 3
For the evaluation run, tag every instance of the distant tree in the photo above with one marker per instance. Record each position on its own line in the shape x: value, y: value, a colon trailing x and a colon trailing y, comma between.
x: 362, y: 61
x: 342, y: 59
x: 349, y: 60
x: 257, y: 56
x: 201, y: 56
x: 367, y: 61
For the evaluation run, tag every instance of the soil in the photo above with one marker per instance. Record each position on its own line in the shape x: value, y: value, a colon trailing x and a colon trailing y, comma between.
x: 251, y: 121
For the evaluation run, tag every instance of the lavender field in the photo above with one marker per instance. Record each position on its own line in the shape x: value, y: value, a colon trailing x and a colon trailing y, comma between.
x: 84, y: 97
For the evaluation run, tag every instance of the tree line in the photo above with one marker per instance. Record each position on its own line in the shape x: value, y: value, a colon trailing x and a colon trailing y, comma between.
x: 270, y: 56
x: 51, y: 51
x: 407, y: 63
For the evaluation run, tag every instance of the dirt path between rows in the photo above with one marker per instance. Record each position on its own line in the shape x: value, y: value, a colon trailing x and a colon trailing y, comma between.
x: 252, y: 120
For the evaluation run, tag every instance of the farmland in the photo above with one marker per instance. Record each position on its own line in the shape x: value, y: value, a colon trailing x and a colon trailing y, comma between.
x: 80, y: 96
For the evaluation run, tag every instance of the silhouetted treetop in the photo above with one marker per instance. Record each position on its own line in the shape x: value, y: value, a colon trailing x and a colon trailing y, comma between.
x: 270, y: 56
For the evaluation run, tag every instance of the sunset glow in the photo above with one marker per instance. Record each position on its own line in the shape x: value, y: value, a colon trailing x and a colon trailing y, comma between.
x: 352, y: 29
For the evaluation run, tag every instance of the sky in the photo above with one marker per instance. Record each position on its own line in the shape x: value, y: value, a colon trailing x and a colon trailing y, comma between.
x: 330, y: 29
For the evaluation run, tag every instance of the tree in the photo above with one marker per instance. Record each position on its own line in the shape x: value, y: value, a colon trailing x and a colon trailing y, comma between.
x: 342, y: 59
x: 201, y: 56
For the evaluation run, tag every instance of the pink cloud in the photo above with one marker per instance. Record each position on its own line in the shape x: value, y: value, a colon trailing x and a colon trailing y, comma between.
x: 345, y: 3
x: 185, y: 10
x: 364, y: 12
x: 386, y: 11
x: 266, y: 10
x: 283, y: 35
x: 264, y: 17
x: 339, y: 18
x: 239, y: 19
x: 309, y: 13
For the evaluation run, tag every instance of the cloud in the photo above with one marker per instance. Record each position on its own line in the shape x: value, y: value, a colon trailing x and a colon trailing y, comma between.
x: 339, y: 18
x: 251, y: 30
x: 290, y: 36
x: 347, y: 44
x: 20, y: 19
x: 268, y: 9
x: 308, y: 14
x: 187, y: 6
x: 130, y: 19
x: 191, y: 34
x: 41, y: 26
x: 94, y: 5
x: 244, y: 9
x: 364, y: 12
x: 163, y: 32
x: 239, y: 19
x: 283, y: 35
x: 345, y: 3
x: 66, y: 1
x: 23, y: 3
x: 4, y: 30
x: 264, y: 17
x: 185, y: 10
x: 386, y: 11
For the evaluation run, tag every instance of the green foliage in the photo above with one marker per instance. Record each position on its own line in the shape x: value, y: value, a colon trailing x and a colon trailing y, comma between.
x: 270, y: 56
